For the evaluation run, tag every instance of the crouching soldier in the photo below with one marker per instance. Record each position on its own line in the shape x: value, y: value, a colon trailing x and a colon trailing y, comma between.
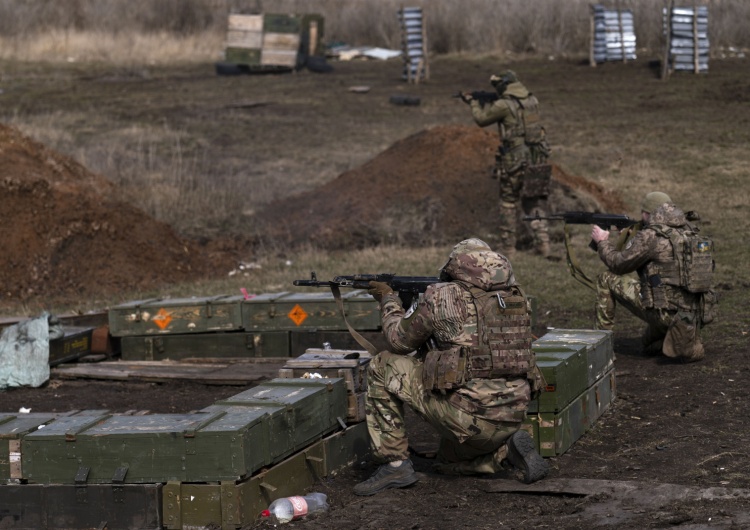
x: 471, y: 378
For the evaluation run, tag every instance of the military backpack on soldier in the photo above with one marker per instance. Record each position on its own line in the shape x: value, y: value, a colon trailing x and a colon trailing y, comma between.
x: 693, y: 254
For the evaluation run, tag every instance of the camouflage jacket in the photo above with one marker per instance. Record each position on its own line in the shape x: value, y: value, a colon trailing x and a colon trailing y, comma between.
x: 447, y: 314
x: 649, y: 254
x: 503, y: 112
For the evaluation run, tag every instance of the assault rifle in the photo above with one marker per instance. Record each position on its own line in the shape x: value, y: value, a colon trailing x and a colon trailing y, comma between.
x: 603, y: 220
x: 407, y: 287
x: 482, y: 96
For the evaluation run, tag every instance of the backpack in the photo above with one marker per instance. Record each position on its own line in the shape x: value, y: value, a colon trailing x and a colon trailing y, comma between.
x: 693, y: 254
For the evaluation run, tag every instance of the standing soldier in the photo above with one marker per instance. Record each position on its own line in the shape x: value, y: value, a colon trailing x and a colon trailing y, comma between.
x: 472, y: 377
x: 521, y: 159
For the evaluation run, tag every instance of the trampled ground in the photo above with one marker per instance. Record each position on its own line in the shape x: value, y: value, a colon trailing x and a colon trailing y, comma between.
x: 671, y: 423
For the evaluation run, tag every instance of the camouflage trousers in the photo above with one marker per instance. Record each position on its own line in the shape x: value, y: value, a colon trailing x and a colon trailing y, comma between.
x: 675, y: 333
x: 396, y: 380
x: 511, y: 185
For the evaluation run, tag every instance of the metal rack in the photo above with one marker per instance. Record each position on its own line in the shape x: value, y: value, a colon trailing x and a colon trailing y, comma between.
x: 612, y: 35
x: 414, y: 44
x: 687, y: 44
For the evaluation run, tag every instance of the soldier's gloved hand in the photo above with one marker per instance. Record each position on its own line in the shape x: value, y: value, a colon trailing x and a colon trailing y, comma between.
x: 466, y: 97
x: 379, y: 289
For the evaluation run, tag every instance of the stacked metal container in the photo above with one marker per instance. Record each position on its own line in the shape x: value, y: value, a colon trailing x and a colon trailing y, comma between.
x: 413, y: 44
x: 613, y: 36
x: 687, y: 28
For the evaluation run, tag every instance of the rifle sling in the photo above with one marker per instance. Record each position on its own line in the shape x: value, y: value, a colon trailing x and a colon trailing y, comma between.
x: 573, y: 265
x: 366, y: 344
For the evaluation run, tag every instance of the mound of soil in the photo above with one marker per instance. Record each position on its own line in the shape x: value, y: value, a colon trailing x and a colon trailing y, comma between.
x: 65, y: 233
x: 432, y: 187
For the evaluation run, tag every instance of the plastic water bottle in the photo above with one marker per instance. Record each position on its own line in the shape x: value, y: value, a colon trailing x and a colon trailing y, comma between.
x: 289, y: 508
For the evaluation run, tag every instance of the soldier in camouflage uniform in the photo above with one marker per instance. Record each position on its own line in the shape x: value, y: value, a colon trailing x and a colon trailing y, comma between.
x: 671, y: 312
x: 478, y: 418
x: 523, y: 150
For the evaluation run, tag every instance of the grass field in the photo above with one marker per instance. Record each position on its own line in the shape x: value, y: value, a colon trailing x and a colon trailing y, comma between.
x: 205, y: 152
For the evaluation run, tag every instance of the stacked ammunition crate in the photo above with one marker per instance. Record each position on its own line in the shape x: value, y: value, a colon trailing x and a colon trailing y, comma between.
x: 272, y: 41
x: 687, y: 38
x: 347, y: 364
x: 268, y: 325
x: 578, y: 366
x: 222, y: 465
x: 218, y: 466
x: 414, y: 44
x: 612, y: 35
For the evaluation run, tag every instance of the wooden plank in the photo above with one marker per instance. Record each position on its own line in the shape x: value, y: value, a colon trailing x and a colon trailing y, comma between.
x: 245, y: 22
x: 278, y: 58
x: 244, y: 39
x: 161, y: 371
x: 281, y: 41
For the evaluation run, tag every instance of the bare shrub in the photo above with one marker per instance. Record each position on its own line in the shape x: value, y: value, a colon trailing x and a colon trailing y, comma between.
x: 469, y: 26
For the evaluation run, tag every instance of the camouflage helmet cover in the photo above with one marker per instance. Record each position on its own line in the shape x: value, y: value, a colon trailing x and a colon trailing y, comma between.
x: 653, y: 200
x: 507, y: 77
x: 473, y: 261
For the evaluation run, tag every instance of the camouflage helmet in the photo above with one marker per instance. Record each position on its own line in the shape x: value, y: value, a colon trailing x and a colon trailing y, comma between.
x: 473, y: 261
x: 653, y: 200
x: 504, y: 78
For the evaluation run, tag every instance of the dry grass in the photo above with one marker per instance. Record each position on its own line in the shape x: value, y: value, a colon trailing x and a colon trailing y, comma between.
x: 195, y: 150
x: 148, y: 32
x: 127, y: 49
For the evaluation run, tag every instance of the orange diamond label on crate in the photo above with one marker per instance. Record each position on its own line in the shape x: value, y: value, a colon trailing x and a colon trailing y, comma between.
x: 297, y: 314
x: 162, y: 318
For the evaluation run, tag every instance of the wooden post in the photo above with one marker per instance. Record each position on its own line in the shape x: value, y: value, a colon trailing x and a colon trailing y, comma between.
x: 696, y: 55
x: 667, y: 46
x: 622, y: 33
x: 425, y: 48
x: 592, y: 25
x: 313, y: 44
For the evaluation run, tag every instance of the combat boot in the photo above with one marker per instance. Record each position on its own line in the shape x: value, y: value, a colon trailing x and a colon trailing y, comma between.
x: 523, y: 456
x: 386, y: 477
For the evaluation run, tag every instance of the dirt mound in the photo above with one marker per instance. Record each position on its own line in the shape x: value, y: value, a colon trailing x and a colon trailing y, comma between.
x: 432, y: 187
x: 65, y: 233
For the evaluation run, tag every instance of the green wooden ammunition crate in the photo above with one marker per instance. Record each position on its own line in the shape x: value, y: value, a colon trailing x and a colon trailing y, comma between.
x: 242, y: 55
x: 151, y: 448
x: 280, y: 23
x: 75, y: 344
x: 12, y: 428
x: 66, y: 506
x: 565, y: 371
x: 201, y: 345
x: 599, y: 345
x: 318, y: 311
x: 556, y: 432
x: 314, y: 406
x: 278, y: 426
x: 304, y: 339
x: 176, y: 315
x: 234, y: 505
x: 331, y: 363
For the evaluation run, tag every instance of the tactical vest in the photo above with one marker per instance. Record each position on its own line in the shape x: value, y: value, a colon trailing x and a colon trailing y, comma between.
x: 503, y: 335
x: 528, y: 120
x: 503, y: 348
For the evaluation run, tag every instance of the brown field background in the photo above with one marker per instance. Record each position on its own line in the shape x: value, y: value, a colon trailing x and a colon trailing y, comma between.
x: 143, y: 31
x: 128, y: 89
